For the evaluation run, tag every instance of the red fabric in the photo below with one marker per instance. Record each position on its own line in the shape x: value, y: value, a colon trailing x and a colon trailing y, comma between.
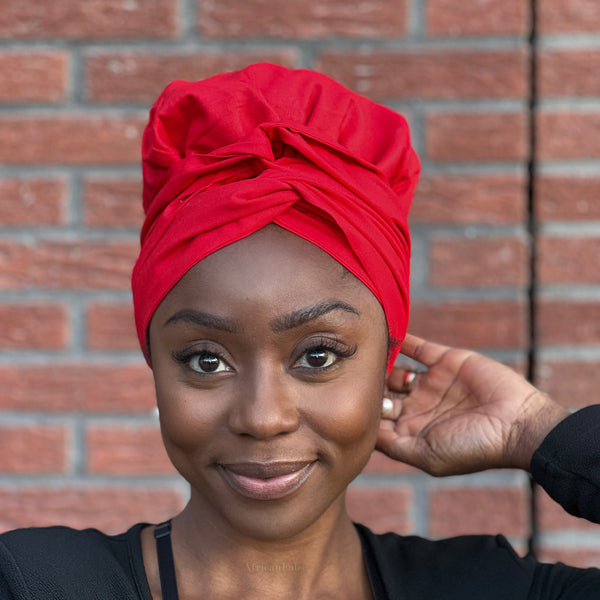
x: 225, y: 156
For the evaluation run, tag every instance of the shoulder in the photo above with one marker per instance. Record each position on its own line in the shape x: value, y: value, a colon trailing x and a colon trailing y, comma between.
x: 449, y: 550
x: 474, y: 566
x: 471, y: 566
x: 56, y: 544
x: 43, y: 560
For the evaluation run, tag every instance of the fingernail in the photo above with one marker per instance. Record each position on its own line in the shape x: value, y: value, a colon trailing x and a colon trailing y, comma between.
x: 409, y: 377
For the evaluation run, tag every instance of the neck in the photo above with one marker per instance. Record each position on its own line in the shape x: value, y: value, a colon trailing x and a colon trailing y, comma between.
x: 321, y: 561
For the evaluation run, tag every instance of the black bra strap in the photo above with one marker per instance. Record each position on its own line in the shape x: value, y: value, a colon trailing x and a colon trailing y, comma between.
x: 166, y: 566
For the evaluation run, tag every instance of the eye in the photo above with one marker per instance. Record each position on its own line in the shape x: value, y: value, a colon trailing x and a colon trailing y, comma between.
x: 322, y: 354
x: 318, y: 358
x: 207, y: 362
x: 203, y: 362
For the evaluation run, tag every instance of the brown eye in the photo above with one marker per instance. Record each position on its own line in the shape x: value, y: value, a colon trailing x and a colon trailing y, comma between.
x: 318, y: 358
x: 207, y: 362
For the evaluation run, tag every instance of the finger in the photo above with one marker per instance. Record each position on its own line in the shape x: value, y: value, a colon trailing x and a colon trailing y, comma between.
x: 423, y: 351
x: 398, y: 448
x: 402, y: 380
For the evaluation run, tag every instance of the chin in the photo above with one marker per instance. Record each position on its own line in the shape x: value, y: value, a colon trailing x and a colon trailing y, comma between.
x: 278, y: 522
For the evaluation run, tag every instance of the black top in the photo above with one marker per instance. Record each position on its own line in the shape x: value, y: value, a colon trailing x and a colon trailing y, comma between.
x: 60, y: 563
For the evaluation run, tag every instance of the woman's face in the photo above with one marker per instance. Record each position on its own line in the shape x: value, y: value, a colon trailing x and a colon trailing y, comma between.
x: 269, y: 361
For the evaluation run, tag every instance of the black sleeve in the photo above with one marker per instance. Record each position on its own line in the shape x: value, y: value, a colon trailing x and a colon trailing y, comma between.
x: 560, y: 582
x: 567, y: 464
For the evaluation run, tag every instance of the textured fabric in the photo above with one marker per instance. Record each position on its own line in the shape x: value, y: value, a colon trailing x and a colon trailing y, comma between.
x: 63, y: 564
x: 470, y: 568
x: 561, y: 471
x: 225, y: 156
x: 58, y: 563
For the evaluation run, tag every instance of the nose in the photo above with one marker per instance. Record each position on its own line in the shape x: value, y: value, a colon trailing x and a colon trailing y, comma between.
x: 264, y: 406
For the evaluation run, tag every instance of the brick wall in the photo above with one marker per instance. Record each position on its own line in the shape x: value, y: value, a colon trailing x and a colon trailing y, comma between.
x: 79, y: 443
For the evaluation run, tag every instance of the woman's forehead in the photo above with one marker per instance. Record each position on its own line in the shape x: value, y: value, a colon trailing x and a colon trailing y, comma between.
x: 273, y: 265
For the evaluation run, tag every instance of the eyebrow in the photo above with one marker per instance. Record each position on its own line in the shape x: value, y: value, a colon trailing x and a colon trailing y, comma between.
x: 203, y: 319
x: 305, y: 315
x: 285, y: 322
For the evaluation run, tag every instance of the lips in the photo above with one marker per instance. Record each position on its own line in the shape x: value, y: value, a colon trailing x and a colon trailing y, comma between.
x: 266, y: 481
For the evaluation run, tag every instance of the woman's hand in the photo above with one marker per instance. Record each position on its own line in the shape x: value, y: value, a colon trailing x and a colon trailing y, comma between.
x: 466, y: 413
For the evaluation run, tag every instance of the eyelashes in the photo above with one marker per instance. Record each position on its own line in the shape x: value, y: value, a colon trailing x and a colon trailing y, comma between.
x: 323, y: 354
x: 312, y: 356
x: 203, y: 361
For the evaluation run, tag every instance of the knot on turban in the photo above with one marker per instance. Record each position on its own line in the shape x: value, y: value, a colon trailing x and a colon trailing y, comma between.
x: 225, y: 156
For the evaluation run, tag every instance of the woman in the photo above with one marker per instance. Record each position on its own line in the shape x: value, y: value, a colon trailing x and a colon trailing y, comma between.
x: 271, y: 298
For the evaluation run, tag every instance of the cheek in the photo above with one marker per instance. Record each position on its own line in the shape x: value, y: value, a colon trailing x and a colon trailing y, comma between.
x: 348, y: 411
x: 349, y: 414
x: 188, y: 419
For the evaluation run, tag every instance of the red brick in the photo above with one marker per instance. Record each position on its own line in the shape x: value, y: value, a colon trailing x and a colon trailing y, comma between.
x: 78, y: 387
x: 30, y: 449
x: 561, y: 16
x: 573, y: 384
x: 33, y: 76
x: 568, y: 73
x: 455, y: 137
x: 70, y: 139
x: 552, y: 517
x: 296, y: 19
x: 111, y: 327
x: 31, y: 202
x: 568, y: 135
x: 110, y: 509
x: 490, y: 262
x: 126, y: 450
x: 477, y: 17
x: 381, y: 509
x: 567, y: 322
x: 40, y: 326
x: 560, y: 259
x: 475, y: 324
x: 113, y: 203
x: 430, y: 74
x: 80, y: 265
x: 470, y: 510
x: 470, y: 199
x: 567, y: 198
x: 140, y: 77
x: 575, y: 557
x: 89, y: 20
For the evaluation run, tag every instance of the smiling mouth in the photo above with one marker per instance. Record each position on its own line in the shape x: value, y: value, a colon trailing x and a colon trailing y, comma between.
x: 266, y: 481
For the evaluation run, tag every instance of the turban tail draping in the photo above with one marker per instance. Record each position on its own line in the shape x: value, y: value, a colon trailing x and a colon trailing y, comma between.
x: 225, y: 156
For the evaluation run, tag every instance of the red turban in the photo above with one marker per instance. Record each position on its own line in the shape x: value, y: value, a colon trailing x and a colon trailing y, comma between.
x: 225, y: 156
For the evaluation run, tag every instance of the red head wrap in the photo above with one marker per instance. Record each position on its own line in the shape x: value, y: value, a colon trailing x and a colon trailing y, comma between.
x: 225, y: 156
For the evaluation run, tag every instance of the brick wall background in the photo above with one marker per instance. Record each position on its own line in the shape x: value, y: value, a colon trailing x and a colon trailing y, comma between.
x: 506, y: 227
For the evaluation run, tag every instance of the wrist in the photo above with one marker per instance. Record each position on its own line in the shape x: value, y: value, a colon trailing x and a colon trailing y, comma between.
x: 540, y: 417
